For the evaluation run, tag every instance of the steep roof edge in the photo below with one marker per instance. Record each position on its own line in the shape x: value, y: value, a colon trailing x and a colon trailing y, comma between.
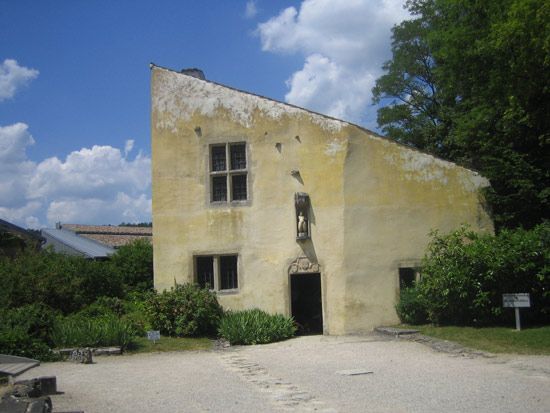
x: 377, y: 135
x: 52, y: 232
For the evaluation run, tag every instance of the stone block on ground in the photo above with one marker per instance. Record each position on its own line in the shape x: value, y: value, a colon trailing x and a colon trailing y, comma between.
x: 81, y: 355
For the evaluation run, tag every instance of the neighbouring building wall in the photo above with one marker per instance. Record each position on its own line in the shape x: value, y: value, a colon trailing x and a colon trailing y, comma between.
x: 373, y: 202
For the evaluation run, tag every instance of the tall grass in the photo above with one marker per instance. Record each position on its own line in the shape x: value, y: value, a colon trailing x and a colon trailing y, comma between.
x: 78, y: 331
x: 255, y: 327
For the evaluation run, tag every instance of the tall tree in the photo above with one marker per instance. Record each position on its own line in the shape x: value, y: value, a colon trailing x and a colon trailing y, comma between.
x: 470, y: 81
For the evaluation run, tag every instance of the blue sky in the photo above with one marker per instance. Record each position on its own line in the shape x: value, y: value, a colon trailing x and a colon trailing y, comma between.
x: 74, y: 86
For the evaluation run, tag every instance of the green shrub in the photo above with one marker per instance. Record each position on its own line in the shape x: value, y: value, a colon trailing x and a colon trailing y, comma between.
x: 135, y: 311
x: 79, y: 331
x: 184, y: 310
x: 464, y: 275
x: 62, y: 282
x: 104, y: 306
x: 25, y: 331
x: 133, y: 264
x: 411, y: 307
x: 255, y: 327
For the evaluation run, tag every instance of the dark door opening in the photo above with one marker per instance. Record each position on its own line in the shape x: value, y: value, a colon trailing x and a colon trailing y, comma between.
x: 307, y: 307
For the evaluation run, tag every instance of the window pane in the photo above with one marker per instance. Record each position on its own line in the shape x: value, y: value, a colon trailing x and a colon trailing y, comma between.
x: 218, y: 158
x: 239, y: 187
x: 238, y: 156
x: 219, y: 188
x: 205, y: 272
x: 228, y: 272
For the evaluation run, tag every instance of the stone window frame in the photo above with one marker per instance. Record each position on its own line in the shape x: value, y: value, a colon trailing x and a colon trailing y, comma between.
x: 228, y: 173
x: 216, y: 270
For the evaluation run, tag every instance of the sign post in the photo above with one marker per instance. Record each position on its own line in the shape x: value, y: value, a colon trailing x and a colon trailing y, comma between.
x: 516, y: 301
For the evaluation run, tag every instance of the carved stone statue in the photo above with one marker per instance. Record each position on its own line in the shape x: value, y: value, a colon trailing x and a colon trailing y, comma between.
x: 302, y: 225
x: 301, y: 202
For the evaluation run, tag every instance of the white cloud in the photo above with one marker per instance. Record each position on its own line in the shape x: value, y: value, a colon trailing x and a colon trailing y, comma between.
x: 24, y: 215
x: 12, y: 77
x: 93, y: 185
x: 123, y: 208
x: 128, y: 147
x: 15, y: 169
x: 330, y: 88
x: 344, y: 44
x: 251, y: 10
x: 90, y: 173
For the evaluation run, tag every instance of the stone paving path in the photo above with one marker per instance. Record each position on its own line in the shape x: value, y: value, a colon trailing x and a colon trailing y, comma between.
x: 283, y: 394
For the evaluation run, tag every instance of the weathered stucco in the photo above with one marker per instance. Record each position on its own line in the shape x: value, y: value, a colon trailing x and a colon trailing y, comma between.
x: 373, y: 202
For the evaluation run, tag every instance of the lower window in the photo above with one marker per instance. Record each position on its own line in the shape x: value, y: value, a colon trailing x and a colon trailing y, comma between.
x: 217, y: 272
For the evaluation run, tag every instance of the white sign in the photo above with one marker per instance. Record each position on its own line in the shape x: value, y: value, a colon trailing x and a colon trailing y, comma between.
x: 153, y: 335
x: 516, y: 300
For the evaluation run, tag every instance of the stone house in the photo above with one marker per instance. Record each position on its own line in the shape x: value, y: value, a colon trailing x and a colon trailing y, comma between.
x: 277, y: 207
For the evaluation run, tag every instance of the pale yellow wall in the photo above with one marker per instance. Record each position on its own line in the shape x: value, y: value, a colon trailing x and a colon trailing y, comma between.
x: 372, y: 201
x: 394, y: 196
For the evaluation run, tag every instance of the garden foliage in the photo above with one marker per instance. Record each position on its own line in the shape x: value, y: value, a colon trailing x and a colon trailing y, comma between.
x: 255, y: 327
x: 26, y: 331
x: 411, y: 307
x: 62, y: 282
x: 66, y: 285
x: 184, y: 310
x: 133, y: 264
x: 81, y: 331
x: 464, y: 275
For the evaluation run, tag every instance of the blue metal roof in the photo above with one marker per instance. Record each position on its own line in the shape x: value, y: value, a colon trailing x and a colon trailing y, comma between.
x: 85, y: 246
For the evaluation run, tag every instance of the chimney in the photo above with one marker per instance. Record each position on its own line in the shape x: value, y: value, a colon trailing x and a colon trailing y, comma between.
x: 193, y: 71
x: 58, y: 225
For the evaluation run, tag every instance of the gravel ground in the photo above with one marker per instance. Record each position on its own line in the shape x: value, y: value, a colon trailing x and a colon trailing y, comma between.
x: 327, y: 374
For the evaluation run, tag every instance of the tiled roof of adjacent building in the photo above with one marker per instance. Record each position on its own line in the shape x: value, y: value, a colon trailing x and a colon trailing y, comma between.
x: 113, y: 236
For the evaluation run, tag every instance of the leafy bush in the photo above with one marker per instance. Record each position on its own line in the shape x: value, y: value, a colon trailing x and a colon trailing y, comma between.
x: 184, y: 310
x: 133, y: 264
x: 255, y: 327
x: 464, y: 275
x: 104, y: 306
x: 62, y: 282
x: 25, y: 331
x: 411, y: 307
x: 135, y: 311
x: 80, y: 331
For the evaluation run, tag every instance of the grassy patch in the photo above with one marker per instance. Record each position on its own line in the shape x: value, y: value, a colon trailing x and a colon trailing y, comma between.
x: 494, y: 339
x: 143, y: 345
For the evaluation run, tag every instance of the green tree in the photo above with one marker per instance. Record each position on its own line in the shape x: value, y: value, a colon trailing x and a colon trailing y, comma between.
x: 470, y: 81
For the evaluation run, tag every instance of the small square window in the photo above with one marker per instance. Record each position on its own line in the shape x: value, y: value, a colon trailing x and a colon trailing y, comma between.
x: 217, y: 272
